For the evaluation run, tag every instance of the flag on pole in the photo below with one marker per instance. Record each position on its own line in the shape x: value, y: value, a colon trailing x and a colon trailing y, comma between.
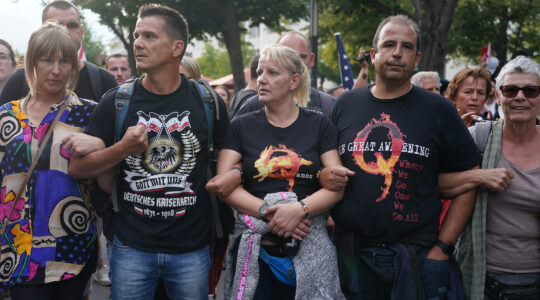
x: 347, y: 79
x: 81, y: 53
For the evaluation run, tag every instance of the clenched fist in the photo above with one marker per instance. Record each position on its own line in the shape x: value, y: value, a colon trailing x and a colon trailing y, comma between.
x: 135, y: 140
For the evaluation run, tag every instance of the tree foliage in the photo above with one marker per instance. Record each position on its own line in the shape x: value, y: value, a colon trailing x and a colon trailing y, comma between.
x: 223, y: 19
x: 214, y: 62
x: 509, y: 25
x: 92, y: 46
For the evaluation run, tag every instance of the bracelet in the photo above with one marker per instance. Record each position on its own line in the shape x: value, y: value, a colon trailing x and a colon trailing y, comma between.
x: 304, y: 206
x: 239, y: 170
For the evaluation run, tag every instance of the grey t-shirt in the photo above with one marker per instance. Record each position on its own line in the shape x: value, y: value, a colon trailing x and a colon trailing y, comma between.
x: 513, y: 223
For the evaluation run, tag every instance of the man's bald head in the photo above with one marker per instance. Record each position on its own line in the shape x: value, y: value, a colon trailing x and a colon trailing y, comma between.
x: 299, y: 43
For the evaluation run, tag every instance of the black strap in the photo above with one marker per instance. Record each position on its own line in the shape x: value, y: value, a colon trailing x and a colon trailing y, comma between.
x: 95, y: 80
x: 415, y: 271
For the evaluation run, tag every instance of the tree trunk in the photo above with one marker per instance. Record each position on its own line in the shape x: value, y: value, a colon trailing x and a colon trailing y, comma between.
x: 500, y: 46
x: 434, y: 19
x: 231, y: 38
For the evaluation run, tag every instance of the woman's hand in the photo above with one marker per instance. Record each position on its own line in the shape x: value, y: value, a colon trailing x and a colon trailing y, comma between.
x: 286, y: 218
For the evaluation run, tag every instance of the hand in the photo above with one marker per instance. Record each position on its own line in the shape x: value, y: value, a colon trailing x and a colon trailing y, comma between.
x: 436, y: 253
x: 301, y: 230
x: 330, y: 225
x: 223, y: 185
x: 135, y: 140
x: 80, y: 144
x: 469, y: 118
x: 496, y: 179
x: 335, y: 178
x: 286, y: 218
x: 364, y: 64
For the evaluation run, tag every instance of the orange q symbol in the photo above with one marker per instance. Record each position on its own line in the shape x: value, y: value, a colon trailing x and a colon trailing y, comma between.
x: 280, y: 163
x: 380, y: 166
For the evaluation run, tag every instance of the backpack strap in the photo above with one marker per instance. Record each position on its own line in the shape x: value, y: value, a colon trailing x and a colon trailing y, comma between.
x: 482, y: 132
x: 210, y: 103
x: 122, y: 99
x: 95, y: 80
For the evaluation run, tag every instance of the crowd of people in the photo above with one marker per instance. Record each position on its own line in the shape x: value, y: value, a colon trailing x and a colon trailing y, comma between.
x: 401, y: 188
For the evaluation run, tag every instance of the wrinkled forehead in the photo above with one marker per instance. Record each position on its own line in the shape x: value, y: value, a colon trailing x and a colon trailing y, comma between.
x: 521, y: 79
x: 63, y: 16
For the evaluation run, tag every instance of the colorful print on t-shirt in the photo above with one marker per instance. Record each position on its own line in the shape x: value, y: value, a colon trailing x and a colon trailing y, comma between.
x: 279, y: 163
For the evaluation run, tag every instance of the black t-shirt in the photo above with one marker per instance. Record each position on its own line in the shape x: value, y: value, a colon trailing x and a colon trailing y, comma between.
x: 163, y: 203
x: 281, y: 159
x: 397, y: 148
x: 16, y: 86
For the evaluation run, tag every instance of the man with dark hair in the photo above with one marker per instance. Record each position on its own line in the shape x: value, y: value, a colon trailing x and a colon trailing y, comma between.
x: 164, y: 219
x: 394, y: 139
x: 318, y: 101
x: 251, y: 89
x: 93, y: 81
x: 117, y: 64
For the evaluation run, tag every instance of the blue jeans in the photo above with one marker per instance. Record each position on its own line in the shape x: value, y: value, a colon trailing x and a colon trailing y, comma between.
x: 135, y: 273
x: 376, y: 274
x: 512, y: 286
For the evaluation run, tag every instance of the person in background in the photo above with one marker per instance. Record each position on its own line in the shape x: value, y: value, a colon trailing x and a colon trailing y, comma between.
x: 318, y: 101
x: 428, y: 80
x: 93, y: 81
x: 491, y: 108
x: 117, y: 64
x: 499, y: 252
x: 467, y: 91
x: 335, y: 92
x: 49, y: 248
x: 8, y: 62
x: 249, y: 91
x: 190, y: 68
x: 223, y: 91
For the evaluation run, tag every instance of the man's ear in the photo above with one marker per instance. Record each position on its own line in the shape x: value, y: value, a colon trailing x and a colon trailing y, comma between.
x: 178, y: 48
x: 311, y: 61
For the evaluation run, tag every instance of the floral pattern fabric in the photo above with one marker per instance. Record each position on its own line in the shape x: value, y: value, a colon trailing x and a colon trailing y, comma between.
x: 50, y: 232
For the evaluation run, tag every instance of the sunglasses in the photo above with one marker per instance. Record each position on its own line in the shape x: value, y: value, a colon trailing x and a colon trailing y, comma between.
x: 530, y: 91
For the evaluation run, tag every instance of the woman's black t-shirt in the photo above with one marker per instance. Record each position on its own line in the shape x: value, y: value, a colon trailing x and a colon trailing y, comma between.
x: 281, y: 159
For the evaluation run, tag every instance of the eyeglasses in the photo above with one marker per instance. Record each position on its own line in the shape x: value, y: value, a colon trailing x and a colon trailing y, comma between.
x: 530, y: 91
x: 4, y: 57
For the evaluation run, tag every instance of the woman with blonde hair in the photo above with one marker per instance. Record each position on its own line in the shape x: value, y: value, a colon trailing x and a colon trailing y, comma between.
x: 48, y: 246
x: 281, y: 147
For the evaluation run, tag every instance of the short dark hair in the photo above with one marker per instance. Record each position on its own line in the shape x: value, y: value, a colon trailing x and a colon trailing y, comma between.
x: 253, y: 64
x: 11, y: 52
x: 59, y: 4
x: 176, y: 25
x: 398, y: 19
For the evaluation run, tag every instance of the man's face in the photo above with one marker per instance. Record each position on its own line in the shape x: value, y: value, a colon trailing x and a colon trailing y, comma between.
x: 431, y: 84
x: 119, y: 67
x: 70, y: 19
x: 153, y: 48
x: 396, y: 55
x: 519, y: 108
x: 299, y: 45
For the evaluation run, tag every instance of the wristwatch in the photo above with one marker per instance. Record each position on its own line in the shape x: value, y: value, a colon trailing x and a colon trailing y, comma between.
x: 262, y: 209
x: 447, y: 248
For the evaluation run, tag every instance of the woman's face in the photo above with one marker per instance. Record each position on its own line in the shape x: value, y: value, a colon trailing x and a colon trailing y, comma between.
x: 52, y: 74
x: 274, y: 82
x: 471, y: 96
x: 6, y: 65
x: 224, y: 95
